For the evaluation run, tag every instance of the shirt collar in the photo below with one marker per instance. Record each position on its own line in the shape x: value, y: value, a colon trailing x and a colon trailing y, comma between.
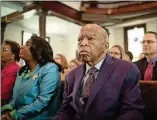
x: 153, y: 60
x: 9, y: 65
x: 98, y: 65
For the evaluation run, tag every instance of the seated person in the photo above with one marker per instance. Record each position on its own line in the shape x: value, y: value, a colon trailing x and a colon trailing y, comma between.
x: 117, y: 52
x: 103, y: 87
x: 36, y: 90
x: 9, y: 56
x: 61, y: 59
x: 129, y: 56
x: 141, y: 56
x: 73, y: 64
x: 148, y: 65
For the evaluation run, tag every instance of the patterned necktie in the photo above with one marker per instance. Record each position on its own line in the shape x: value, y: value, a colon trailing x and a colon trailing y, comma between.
x: 149, y: 72
x: 89, y: 82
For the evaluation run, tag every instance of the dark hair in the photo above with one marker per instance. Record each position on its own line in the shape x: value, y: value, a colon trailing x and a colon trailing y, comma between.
x: 151, y: 32
x: 129, y: 54
x: 41, y: 52
x: 15, y: 48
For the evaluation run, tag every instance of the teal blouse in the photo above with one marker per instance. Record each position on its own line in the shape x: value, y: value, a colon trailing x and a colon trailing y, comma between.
x: 36, y: 95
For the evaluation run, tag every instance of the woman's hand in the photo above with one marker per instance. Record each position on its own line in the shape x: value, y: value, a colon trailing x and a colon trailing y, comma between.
x: 4, y: 117
x: 7, y: 116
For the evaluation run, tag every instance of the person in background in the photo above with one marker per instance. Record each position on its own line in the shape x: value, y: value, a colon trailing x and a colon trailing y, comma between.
x: 61, y: 59
x: 9, y: 56
x: 117, y: 51
x: 141, y: 56
x: 73, y: 64
x: 129, y: 56
x: 103, y: 87
x: 148, y: 65
x: 36, y: 90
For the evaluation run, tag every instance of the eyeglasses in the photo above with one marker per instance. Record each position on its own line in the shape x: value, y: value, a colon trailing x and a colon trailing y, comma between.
x: 115, y: 53
x: 148, y: 42
x: 5, y: 49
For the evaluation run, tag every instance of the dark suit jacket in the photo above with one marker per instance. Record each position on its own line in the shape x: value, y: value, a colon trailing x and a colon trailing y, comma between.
x: 114, y: 96
x: 142, y: 65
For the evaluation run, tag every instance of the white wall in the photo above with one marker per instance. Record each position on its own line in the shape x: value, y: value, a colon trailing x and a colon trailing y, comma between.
x: 152, y: 25
x: 13, y: 33
x: 61, y: 44
x: 116, y: 36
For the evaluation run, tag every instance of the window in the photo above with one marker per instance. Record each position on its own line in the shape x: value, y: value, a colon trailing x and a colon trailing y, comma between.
x: 133, y: 37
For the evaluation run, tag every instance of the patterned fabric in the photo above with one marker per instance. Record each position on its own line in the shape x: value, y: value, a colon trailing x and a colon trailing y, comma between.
x: 149, y: 72
x: 89, y: 82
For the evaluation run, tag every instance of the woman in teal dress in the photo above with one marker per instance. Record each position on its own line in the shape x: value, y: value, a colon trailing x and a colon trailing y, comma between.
x: 37, y: 87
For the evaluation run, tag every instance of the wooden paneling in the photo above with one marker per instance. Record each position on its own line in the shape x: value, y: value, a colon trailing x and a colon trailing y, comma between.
x: 63, y: 11
x: 119, y: 10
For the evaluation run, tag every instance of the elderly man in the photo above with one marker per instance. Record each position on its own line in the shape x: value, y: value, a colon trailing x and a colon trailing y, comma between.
x: 103, y: 88
x: 148, y: 65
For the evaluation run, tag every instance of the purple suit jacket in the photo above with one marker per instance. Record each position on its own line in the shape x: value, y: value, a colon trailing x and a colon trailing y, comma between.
x: 114, y: 96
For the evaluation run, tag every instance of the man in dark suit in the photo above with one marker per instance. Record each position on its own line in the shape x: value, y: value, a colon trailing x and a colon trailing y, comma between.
x: 103, y: 88
x: 148, y: 65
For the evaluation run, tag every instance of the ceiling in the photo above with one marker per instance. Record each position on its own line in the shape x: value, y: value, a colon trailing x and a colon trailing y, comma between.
x: 54, y: 25
x: 104, y: 13
x: 6, y: 11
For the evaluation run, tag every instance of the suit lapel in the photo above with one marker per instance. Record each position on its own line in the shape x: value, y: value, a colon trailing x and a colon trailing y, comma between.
x: 103, y: 75
x: 155, y: 71
x: 143, y: 67
x: 78, y: 79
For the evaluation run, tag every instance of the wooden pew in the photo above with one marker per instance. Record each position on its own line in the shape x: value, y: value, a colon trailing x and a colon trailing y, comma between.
x: 149, y: 95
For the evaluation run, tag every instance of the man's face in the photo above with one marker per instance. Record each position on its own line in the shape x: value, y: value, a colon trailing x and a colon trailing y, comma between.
x: 149, y: 44
x: 91, y: 45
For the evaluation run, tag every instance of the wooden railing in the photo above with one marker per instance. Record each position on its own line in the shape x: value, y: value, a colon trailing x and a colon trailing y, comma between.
x: 149, y: 95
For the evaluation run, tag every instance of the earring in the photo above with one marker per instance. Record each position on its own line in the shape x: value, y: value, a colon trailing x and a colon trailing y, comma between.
x: 39, y: 57
x: 12, y: 57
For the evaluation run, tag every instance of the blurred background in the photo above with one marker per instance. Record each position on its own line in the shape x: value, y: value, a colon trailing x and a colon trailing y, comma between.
x: 59, y: 22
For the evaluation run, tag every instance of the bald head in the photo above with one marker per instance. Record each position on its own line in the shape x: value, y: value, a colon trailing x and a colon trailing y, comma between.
x: 95, y: 29
x: 92, y: 44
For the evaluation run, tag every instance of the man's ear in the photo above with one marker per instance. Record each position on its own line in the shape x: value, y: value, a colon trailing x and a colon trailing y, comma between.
x: 107, y: 45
